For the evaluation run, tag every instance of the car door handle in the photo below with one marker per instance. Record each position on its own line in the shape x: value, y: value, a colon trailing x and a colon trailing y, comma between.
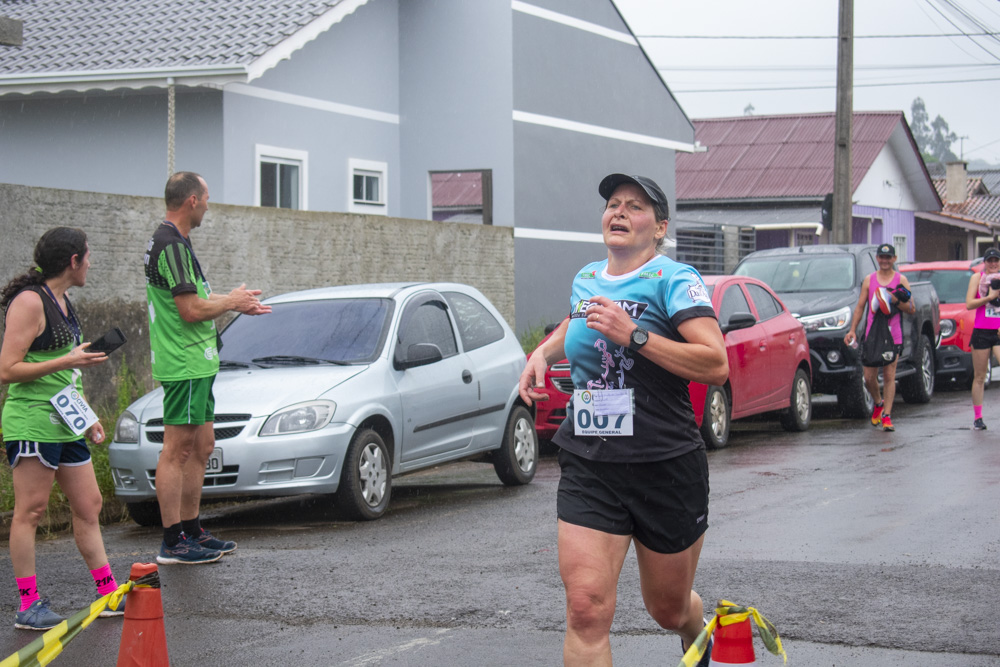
x: 762, y: 346
x: 466, y: 377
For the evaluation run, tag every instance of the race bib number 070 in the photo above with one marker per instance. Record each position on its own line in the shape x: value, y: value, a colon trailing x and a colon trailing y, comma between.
x: 73, y: 409
x: 603, y: 412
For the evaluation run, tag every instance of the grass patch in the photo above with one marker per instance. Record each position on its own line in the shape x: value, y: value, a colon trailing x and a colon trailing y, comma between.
x: 532, y: 337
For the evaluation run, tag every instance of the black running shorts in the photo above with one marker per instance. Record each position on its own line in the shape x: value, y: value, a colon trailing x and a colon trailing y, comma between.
x: 663, y: 504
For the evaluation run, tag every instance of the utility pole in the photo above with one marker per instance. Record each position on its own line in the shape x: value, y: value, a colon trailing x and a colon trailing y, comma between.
x: 841, y: 231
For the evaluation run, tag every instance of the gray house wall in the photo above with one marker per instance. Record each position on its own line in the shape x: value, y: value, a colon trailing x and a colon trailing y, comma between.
x: 275, y: 250
x: 586, y: 78
x: 456, y: 97
x: 108, y: 142
x: 356, y: 63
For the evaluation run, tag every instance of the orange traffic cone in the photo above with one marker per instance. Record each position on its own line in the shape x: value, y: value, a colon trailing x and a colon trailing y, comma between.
x: 733, y: 645
x: 144, y: 639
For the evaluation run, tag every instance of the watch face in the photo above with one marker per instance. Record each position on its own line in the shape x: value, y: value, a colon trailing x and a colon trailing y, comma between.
x: 640, y: 336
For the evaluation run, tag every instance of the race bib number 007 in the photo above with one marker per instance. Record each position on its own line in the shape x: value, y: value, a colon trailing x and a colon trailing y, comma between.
x: 603, y: 412
x: 73, y: 409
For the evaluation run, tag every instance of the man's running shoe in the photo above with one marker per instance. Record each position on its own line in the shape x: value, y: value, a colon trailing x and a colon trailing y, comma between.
x: 37, y: 617
x: 979, y: 424
x: 887, y: 423
x: 212, y: 543
x: 186, y: 552
x: 877, y: 415
x: 118, y: 610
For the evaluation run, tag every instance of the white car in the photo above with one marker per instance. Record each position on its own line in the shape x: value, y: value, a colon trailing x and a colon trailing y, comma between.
x: 340, y: 389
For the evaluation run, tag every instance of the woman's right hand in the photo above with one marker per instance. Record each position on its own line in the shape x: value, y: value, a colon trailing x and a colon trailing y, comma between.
x: 850, y: 338
x: 533, y: 379
x: 80, y: 358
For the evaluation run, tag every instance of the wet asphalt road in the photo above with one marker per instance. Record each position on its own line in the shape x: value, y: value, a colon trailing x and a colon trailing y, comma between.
x: 862, y: 547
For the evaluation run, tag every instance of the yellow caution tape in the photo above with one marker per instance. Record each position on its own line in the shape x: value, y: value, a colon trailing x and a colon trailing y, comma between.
x: 46, y: 648
x: 727, y: 613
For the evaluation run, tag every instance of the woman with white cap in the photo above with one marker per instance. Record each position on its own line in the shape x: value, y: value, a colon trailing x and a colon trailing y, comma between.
x: 633, y: 464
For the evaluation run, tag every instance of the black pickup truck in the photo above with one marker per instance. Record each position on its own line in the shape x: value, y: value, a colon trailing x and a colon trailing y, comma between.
x: 820, y: 285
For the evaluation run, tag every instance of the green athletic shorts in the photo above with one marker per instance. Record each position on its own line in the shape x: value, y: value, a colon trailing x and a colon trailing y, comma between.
x: 189, y: 401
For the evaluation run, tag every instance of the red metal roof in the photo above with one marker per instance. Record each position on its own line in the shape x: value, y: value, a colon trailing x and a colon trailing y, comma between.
x: 777, y: 156
x: 462, y: 188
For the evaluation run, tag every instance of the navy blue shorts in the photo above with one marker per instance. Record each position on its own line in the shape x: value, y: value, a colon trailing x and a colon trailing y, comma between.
x: 662, y: 504
x: 50, y: 454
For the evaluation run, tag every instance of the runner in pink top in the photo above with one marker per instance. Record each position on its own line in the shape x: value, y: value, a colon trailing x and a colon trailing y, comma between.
x: 877, y: 293
x: 984, y: 332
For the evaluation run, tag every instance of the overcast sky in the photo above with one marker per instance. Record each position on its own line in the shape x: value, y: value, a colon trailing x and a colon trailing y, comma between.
x: 888, y: 73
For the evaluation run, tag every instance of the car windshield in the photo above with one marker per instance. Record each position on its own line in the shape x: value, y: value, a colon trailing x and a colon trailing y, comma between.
x: 802, y: 273
x: 308, y: 333
x: 950, y: 285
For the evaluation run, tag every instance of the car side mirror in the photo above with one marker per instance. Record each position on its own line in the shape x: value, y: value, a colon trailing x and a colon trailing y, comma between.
x: 419, y: 354
x: 739, y: 321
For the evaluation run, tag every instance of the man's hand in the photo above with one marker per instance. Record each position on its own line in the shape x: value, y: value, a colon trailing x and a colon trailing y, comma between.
x: 245, y: 301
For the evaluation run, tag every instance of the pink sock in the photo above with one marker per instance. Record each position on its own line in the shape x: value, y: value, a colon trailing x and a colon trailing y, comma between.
x: 977, y: 410
x: 104, y: 579
x: 28, y: 589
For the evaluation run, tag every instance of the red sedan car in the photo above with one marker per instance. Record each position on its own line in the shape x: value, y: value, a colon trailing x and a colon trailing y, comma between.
x: 768, y: 366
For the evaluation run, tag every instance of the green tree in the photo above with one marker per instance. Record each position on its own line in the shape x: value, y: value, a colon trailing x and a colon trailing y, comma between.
x: 934, y: 138
x: 920, y: 126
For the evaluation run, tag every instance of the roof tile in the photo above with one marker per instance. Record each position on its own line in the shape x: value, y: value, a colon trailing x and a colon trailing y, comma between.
x: 82, y: 35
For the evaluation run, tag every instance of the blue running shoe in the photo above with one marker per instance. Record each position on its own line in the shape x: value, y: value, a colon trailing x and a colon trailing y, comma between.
x: 186, y: 552
x: 114, y: 611
x: 212, y: 543
x: 37, y: 617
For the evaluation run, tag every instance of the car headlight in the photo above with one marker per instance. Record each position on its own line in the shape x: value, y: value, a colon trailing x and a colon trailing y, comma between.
x: 299, y: 418
x: 127, y: 428
x: 947, y: 328
x: 838, y: 319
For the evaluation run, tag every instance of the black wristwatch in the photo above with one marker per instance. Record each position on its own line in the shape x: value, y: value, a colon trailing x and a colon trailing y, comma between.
x: 638, y: 338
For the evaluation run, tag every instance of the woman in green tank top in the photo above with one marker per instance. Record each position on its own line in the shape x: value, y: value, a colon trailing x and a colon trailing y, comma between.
x: 43, y: 354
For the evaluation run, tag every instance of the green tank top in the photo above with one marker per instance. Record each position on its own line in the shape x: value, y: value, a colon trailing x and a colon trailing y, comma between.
x: 27, y: 413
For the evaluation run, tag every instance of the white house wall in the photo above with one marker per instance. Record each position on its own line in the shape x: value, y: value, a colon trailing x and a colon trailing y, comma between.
x: 886, y: 185
x: 586, y: 103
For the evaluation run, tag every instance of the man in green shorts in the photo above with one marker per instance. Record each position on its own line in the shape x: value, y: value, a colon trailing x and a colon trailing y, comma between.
x: 185, y: 359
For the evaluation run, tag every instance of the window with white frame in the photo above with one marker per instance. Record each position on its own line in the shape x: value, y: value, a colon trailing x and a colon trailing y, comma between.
x: 281, y: 177
x: 367, y: 186
x: 899, y: 243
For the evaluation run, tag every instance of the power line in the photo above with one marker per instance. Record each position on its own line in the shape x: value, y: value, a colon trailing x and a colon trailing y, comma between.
x: 915, y: 36
x: 828, y: 87
x: 816, y: 68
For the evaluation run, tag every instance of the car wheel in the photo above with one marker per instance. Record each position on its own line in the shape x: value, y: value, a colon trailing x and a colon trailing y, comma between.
x: 715, y: 422
x: 517, y: 459
x: 919, y: 387
x: 853, y: 398
x: 366, y: 481
x: 145, y: 513
x: 799, y: 412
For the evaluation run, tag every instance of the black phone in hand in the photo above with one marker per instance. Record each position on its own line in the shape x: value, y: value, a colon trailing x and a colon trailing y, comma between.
x: 109, y: 342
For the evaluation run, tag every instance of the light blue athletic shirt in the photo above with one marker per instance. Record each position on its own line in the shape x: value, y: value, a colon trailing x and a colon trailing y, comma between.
x: 659, y: 296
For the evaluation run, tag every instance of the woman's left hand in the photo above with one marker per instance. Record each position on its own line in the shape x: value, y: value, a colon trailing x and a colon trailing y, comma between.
x: 608, y: 319
x: 96, y: 433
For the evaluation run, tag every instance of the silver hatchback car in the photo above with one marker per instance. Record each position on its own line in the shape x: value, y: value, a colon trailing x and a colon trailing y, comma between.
x: 340, y: 389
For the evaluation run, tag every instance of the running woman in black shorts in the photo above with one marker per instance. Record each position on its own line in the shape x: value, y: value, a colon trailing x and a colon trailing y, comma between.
x: 634, y: 470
